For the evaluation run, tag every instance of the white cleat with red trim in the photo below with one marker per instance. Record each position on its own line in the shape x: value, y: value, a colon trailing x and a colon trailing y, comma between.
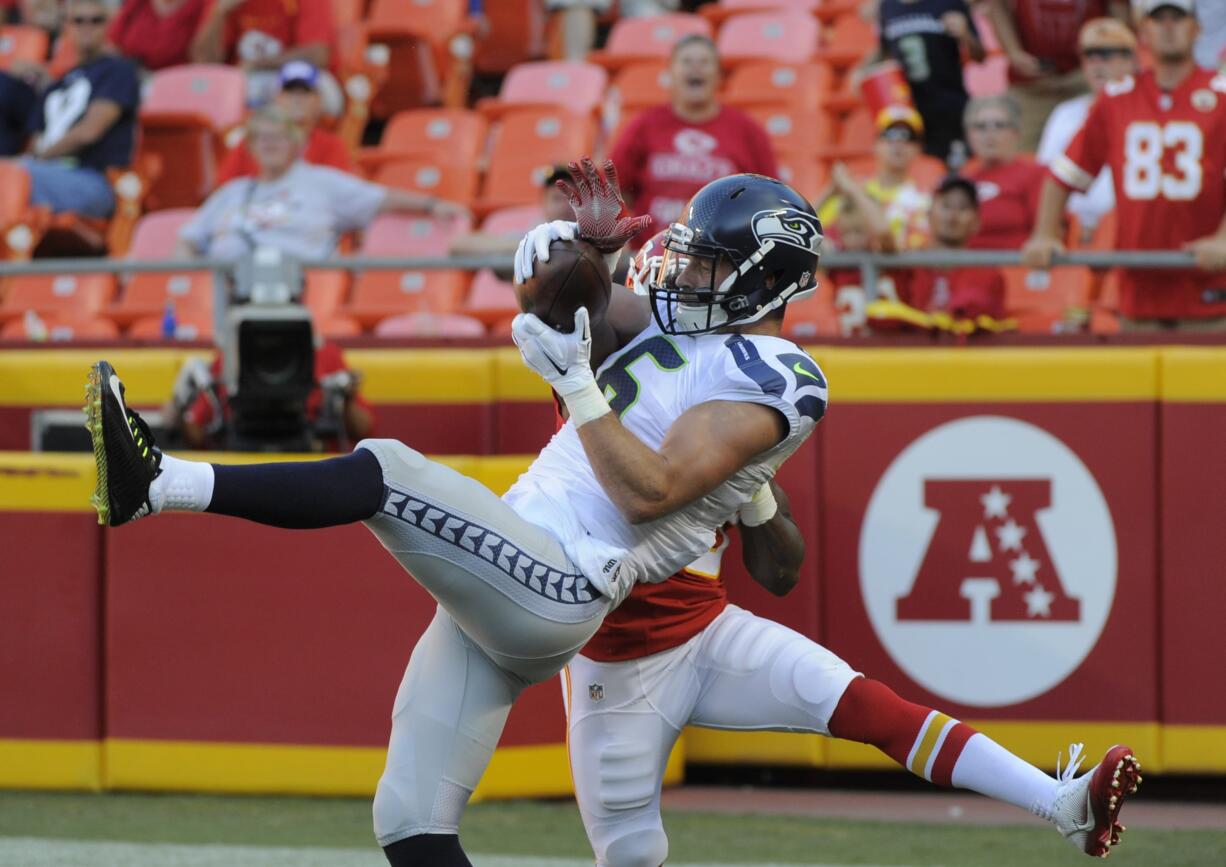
x: 1086, y: 809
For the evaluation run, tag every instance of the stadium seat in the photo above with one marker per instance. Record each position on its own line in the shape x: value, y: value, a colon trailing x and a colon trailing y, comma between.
x: 402, y: 235
x: 717, y: 13
x: 157, y: 234
x: 186, y: 112
x: 24, y: 43
x: 514, y: 33
x: 1101, y: 237
x: 62, y: 327
x: 784, y: 37
x: 449, y: 135
x: 637, y: 39
x: 763, y: 82
x: 1040, y: 299
x: 792, y: 131
x: 325, y: 292
x: 576, y: 87
x: 458, y: 183
x: 857, y: 134
x: 803, y: 173
x: 20, y: 224
x: 425, y: 324
x: 491, y: 299
x: 347, y: 12
x: 811, y: 318
x: 147, y: 294
x: 416, y: 41
x: 637, y: 86
x: 513, y: 221
x: 380, y: 294
x: 79, y: 295
x: 335, y: 327
x: 990, y: 78
x: 191, y: 325
x: 848, y: 41
x: 525, y: 146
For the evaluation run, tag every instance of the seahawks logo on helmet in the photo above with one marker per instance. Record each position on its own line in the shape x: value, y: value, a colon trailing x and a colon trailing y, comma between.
x: 788, y: 226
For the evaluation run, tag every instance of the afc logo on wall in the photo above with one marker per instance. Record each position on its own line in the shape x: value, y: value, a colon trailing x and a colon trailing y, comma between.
x: 988, y: 561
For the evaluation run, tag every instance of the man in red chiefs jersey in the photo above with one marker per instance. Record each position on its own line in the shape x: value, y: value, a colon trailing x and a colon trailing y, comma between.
x: 1040, y: 39
x: 669, y: 152
x: 1161, y: 133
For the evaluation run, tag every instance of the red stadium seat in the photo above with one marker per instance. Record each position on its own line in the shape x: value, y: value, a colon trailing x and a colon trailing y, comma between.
x: 636, y: 39
x: 402, y: 235
x: 803, y: 173
x: 449, y: 135
x: 491, y: 299
x: 576, y: 87
x: 458, y: 183
x: 62, y: 328
x: 513, y: 221
x: 514, y: 33
x: 157, y: 234
x: 147, y: 294
x: 416, y: 42
x: 848, y: 41
x: 857, y: 134
x: 990, y: 78
x: 426, y: 324
x: 638, y: 86
x: 762, y: 82
x: 73, y: 295
x: 380, y: 294
x: 1039, y: 300
x: 24, y: 43
x: 794, y: 132
x: 785, y: 37
x: 186, y: 112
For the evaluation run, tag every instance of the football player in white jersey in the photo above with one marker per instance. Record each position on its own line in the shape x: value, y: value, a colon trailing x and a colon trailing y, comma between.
x: 630, y: 490
x: 725, y: 667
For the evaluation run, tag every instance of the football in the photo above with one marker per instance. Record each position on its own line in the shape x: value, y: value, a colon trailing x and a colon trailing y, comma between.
x: 575, y: 276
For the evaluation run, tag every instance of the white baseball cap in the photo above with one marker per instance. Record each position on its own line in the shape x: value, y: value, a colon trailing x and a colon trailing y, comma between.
x: 1149, y: 7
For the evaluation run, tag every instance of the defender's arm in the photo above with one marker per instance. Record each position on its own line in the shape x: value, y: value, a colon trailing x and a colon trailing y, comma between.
x: 773, y: 551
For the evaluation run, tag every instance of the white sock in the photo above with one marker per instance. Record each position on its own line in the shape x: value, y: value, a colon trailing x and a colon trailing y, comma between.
x: 182, y: 486
x: 989, y: 769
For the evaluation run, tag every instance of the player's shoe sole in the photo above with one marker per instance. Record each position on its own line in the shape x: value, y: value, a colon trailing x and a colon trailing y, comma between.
x: 1117, y: 777
x: 125, y: 456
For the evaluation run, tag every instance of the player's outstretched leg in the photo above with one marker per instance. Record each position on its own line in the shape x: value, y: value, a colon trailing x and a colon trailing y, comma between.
x: 947, y: 752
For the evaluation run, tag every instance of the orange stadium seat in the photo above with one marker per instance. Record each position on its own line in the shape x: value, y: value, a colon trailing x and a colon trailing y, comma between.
x: 19, y: 223
x: 811, y: 318
x: 450, y: 135
x: 335, y: 327
x: 380, y: 294
x: 426, y: 324
x: 514, y: 33
x: 190, y: 325
x: 48, y: 295
x: 990, y: 78
x: 636, y: 39
x: 157, y: 234
x: 63, y: 327
x: 19, y: 42
x: 794, y: 132
x: 803, y: 173
x: 147, y: 295
x: 720, y: 12
x: 491, y: 299
x: 458, y: 183
x: 509, y: 184
x: 186, y: 112
x: 325, y: 292
x: 416, y: 40
x: 638, y: 86
x: 763, y: 82
x: 576, y: 87
x: 848, y: 41
x: 785, y: 37
x: 525, y: 146
x: 346, y: 12
x: 857, y: 134
x: 402, y: 235
x: 513, y: 221
x: 1039, y: 299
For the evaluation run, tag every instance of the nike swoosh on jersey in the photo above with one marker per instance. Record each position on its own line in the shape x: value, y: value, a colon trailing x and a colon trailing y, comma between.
x: 800, y: 370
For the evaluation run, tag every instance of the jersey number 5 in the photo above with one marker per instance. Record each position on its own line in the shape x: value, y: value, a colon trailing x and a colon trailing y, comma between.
x: 1145, y: 145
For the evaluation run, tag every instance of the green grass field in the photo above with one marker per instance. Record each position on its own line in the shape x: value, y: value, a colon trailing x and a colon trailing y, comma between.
x: 198, y: 831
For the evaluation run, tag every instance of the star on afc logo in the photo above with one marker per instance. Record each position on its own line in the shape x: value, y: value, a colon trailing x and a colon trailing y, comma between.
x: 988, y: 561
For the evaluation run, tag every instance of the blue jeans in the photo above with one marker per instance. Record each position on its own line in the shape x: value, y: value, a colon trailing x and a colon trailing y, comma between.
x: 63, y: 187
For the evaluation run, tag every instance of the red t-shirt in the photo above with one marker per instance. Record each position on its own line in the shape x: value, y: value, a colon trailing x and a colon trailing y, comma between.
x: 964, y: 293
x: 1167, y: 153
x: 323, y: 148
x: 1048, y: 29
x: 152, y: 40
x: 267, y: 28
x: 1008, y: 204
x: 663, y: 160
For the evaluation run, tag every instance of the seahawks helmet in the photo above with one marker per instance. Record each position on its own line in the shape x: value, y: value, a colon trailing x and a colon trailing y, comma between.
x: 767, y: 232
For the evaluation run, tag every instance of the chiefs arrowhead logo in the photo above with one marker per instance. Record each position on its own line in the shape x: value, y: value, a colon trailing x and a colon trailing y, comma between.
x: 988, y: 561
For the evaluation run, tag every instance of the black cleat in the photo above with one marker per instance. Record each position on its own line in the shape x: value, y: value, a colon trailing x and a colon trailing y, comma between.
x: 127, y: 459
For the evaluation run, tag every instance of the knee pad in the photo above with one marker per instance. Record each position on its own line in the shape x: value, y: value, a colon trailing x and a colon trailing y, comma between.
x: 645, y: 847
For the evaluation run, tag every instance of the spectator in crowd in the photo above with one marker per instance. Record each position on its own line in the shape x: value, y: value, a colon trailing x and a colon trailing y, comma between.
x: 1108, y: 53
x: 1211, y: 46
x: 961, y: 300
x: 156, y: 33
x: 264, y: 35
x: 85, y: 123
x: 1161, y: 134
x: 576, y: 19
x: 905, y: 206
x: 1008, y: 183
x: 16, y: 102
x: 669, y: 152
x: 1040, y: 39
x: 554, y: 206
x: 928, y: 37
x: 861, y: 226
x: 290, y: 205
x: 299, y: 98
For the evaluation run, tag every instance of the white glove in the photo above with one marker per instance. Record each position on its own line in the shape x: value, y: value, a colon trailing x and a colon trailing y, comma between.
x: 535, y: 245
x: 760, y: 509
x: 564, y: 361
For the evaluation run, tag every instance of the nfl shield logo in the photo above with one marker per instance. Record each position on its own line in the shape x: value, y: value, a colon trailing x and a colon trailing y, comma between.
x: 595, y: 691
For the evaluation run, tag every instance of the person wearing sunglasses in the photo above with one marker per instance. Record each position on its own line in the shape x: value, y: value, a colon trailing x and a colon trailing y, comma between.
x: 1008, y: 182
x: 85, y: 123
x: 1108, y: 53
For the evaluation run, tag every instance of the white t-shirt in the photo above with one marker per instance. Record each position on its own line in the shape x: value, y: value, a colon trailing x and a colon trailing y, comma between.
x: 650, y: 384
x: 1065, y: 121
x: 303, y: 213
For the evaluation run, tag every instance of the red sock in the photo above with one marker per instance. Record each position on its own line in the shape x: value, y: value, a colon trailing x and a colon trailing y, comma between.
x: 925, y: 741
